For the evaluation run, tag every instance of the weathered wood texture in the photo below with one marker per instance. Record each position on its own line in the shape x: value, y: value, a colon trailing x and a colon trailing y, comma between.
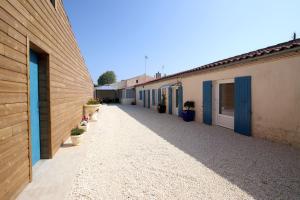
x: 70, y: 85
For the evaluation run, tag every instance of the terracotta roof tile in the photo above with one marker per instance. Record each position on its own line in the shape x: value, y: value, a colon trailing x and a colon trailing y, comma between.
x: 257, y: 53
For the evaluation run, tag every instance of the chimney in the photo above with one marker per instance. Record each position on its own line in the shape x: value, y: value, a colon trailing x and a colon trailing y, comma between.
x: 157, y: 75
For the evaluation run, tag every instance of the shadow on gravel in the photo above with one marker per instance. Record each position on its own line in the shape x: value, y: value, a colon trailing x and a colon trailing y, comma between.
x: 263, y: 169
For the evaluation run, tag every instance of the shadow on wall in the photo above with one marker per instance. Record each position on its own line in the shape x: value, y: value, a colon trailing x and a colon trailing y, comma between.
x: 263, y: 169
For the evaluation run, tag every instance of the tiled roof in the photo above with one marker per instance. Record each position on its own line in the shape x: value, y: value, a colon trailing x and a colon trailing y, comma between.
x: 292, y: 44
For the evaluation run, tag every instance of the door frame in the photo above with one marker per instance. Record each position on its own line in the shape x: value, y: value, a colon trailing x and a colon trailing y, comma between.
x: 45, y: 62
x: 228, y: 121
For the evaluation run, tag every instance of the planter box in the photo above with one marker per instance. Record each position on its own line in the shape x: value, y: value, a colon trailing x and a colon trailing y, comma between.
x: 76, y: 139
x: 161, y: 108
x: 91, y: 109
x: 188, y: 115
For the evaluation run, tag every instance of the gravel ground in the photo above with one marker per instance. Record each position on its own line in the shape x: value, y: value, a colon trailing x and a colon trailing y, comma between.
x: 135, y: 153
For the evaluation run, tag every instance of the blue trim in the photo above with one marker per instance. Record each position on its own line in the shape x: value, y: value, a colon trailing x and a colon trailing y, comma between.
x: 153, y: 97
x: 242, y: 105
x: 144, y: 98
x: 148, y: 99
x: 170, y: 100
x: 180, y: 101
x: 34, y: 108
x: 207, y: 102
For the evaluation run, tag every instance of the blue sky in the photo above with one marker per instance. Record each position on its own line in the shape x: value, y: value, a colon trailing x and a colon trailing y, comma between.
x: 179, y: 34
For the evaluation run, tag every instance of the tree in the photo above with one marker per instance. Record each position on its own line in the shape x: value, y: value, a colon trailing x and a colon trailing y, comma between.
x: 108, y: 77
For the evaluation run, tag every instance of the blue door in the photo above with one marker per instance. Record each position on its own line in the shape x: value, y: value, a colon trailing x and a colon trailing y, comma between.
x: 180, y: 100
x: 144, y: 98
x: 170, y: 100
x: 34, y: 108
x: 159, y: 96
x: 242, y: 105
x: 153, y: 97
x: 207, y: 102
x: 148, y: 99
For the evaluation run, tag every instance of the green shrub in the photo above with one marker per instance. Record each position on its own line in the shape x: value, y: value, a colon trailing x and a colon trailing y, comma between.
x: 77, y: 131
x: 93, y: 102
x: 189, y: 104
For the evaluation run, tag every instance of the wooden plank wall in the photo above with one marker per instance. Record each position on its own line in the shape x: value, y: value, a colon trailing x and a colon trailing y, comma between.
x: 70, y: 83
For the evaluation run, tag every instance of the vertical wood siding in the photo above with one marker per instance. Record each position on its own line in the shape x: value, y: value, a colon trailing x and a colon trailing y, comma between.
x: 70, y: 84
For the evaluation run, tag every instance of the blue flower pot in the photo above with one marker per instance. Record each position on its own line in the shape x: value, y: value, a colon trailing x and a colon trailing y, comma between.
x: 188, y: 115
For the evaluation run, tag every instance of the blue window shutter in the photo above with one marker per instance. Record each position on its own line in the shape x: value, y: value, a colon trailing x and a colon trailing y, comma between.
x: 144, y: 98
x: 159, y: 96
x: 170, y: 100
x: 153, y: 97
x: 148, y: 98
x: 207, y: 102
x: 180, y: 100
x: 242, y: 105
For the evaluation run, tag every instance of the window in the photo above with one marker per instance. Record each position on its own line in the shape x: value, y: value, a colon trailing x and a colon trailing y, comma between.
x: 53, y: 3
x: 141, y: 95
x: 226, y: 101
x: 130, y: 93
x: 177, y: 98
x: 153, y: 97
x: 137, y: 81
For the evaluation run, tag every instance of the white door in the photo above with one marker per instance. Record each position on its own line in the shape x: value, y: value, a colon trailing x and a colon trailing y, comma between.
x: 224, y: 106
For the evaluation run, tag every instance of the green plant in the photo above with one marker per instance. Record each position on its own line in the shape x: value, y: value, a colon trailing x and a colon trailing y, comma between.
x: 108, y: 77
x: 76, y: 131
x: 93, y: 102
x: 189, y: 104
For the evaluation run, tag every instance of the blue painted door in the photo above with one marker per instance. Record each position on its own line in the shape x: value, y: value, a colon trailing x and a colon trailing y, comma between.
x: 170, y: 100
x: 207, y: 102
x: 34, y: 108
x: 180, y: 100
x: 159, y: 95
x: 144, y: 98
x: 148, y: 99
x: 153, y: 97
x: 242, y: 105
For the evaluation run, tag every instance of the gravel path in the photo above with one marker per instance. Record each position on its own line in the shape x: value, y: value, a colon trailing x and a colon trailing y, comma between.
x: 135, y: 153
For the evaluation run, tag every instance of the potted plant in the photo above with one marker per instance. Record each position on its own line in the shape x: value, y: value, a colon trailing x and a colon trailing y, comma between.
x: 90, y: 108
x: 76, y: 136
x: 161, y: 107
x: 84, y: 123
x: 188, y: 114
